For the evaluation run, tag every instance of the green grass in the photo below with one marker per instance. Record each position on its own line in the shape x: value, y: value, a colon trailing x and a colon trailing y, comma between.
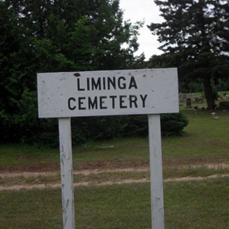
x: 26, y: 154
x: 189, y: 205
x: 205, y: 141
x: 199, y: 205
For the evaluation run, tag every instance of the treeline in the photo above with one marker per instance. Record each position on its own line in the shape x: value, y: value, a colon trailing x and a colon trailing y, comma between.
x: 194, y: 36
x: 54, y: 36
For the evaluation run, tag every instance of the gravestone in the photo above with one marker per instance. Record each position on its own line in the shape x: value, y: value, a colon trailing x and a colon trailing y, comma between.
x: 188, y: 103
x: 224, y: 105
x: 200, y: 100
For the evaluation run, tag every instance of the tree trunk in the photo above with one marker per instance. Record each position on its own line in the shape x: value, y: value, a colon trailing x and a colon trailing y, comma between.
x: 209, y: 93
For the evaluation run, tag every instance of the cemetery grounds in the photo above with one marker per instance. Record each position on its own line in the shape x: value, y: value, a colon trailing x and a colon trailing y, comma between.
x: 111, y: 180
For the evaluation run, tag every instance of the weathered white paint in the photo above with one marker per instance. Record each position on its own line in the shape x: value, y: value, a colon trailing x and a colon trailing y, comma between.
x: 156, y: 177
x: 153, y: 91
x: 66, y: 173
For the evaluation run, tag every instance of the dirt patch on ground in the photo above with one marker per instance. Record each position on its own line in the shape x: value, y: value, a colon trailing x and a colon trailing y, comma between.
x: 75, y: 172
x: 39, y: 167
x: 115, y: 164
x: 95, y: 165
x: 126, y: 181
x: 31, y: 171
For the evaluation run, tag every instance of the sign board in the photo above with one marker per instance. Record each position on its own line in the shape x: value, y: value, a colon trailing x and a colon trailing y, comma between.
x: 97, y: 93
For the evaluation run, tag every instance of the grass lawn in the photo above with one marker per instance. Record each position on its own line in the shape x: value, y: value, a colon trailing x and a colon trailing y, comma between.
x: 205, y: 141
x: 188, y: 205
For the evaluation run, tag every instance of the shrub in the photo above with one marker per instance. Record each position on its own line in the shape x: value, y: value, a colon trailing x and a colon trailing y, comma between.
x: 133, y: 126
x: 45, y: 132
x: 173, y: 124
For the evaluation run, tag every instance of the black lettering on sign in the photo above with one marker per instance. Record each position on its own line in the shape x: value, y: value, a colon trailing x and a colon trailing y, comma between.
x: 121, y: 82
x: 133, y: 83
x: 111, y: 82
x: 106, y: 83
x: 70, y: 103
x: 102, y: 101
x: 122, y: 101
x: 95, y: 85
x: 92, y: 104
x: 81, y: 103
x: 133, y: 101
x: 113, y: 97
x: 88, y: 84
x: 143, y: 100
x: 78, y: 85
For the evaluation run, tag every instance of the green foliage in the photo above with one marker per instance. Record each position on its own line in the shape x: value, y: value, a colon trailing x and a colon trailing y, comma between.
x: 137, y: 125
x: 105, y: 128
x: 98, y: 128
x: 110, y: 127
x: 173, y: 124
x: 191, y: 37
x: 52, y: 36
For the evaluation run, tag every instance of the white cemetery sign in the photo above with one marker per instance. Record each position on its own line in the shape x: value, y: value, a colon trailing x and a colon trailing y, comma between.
x: 97, y: 93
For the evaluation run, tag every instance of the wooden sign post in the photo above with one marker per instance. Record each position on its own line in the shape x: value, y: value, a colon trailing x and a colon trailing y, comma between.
x: 66, y: 173
x: 99, y: 93
x: 156, y: 178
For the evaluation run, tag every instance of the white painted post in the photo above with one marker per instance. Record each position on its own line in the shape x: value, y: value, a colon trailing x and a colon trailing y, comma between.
x: 66, y: 173
x: 156, y: 177
x: 146, y: 91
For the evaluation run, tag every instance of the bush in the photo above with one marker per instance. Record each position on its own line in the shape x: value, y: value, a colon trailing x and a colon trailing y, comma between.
x: 45, y: 131
x: 98, y: 128
x: 173, y: 124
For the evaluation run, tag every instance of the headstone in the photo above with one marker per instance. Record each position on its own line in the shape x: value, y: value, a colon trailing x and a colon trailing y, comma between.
x: 196, y: 99
x: 188, y: 103
x: 200, y: 100
x: 224, y: 105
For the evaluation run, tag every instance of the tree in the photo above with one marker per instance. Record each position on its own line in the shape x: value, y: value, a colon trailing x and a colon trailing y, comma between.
x: 85, y: 34
x: 191, y: 38
x: 50, y: 36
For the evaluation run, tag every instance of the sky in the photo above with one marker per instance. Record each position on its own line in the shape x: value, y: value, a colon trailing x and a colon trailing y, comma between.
x: 139, y: 10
